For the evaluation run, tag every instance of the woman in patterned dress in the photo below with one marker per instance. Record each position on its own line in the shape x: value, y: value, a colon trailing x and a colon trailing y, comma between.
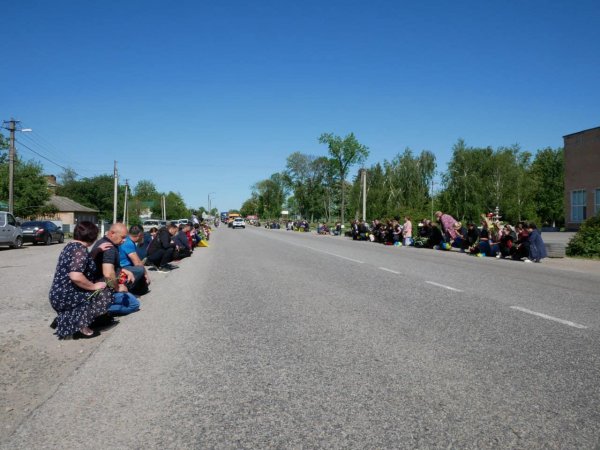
x: 74, y: 284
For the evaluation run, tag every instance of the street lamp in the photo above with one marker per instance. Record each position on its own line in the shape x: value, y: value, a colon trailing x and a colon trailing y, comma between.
x: 209, y: 201
x: 12, y: 127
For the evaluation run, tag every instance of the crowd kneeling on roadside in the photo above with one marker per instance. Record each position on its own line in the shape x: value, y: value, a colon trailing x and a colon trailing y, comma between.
x: 98, y: 279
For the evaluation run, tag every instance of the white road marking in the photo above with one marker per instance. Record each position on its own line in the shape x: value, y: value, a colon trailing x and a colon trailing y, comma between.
x: 336, y: 255
x: 319, y: 250
x: 546, y: 316
x: 389, y: 270
x: 443, y: 286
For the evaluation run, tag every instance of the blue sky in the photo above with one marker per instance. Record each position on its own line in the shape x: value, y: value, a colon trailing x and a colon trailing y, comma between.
x: 206, y: 97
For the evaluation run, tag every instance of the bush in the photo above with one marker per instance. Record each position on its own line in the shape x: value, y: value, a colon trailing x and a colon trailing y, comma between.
x: 586, y: 241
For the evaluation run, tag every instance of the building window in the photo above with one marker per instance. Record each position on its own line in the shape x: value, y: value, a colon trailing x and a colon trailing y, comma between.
x: 597, y: 202
x: 578, y: 206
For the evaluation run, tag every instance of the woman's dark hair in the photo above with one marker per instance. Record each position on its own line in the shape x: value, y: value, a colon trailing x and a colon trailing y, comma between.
x: 85, y: 231
x: 153, y: 230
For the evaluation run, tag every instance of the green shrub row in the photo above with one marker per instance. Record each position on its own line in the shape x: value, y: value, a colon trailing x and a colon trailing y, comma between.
x: 586, y: 241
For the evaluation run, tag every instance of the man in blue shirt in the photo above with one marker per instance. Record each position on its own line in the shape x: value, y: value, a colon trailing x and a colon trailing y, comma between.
x: 129, y: 259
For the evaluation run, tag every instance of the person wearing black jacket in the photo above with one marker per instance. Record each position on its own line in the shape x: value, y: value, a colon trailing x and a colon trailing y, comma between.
x: 436, y: 238
x: 160, y: 250
x: 182, y: 244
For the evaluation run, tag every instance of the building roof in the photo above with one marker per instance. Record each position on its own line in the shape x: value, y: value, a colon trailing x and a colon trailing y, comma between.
x: 583, y: 131
x: 65, y: 204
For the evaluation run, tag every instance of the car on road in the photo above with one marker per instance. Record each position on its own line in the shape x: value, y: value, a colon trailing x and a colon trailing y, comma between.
x: 10, y: 232
x: 42, y: 231
x: 238, y: 222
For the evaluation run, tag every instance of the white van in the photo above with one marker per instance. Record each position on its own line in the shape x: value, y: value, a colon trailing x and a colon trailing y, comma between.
x: 10, y: 233
x: 149, y: 224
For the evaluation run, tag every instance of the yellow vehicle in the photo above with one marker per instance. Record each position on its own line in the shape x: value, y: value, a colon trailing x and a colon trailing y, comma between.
x: 230, y: 219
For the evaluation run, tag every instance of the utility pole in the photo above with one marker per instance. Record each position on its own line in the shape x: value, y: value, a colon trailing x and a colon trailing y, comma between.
x: 12, y: 127
x: 12, y: 157
x: 116, y: 176
x: 163, y: 204
x: 125, y: 215
x: 432, y: 199
x: 363, y: 177
x: 209, y: 204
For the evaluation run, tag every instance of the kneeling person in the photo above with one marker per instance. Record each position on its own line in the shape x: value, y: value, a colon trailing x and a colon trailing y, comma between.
x: 182, y: 244
x: 108, y: 266
x: 129, y: 259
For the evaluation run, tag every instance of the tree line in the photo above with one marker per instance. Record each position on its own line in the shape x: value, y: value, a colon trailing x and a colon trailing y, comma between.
x: 97, y: 192
x: 31, y: 193
x: 477, y: 180
x: 30, y: 186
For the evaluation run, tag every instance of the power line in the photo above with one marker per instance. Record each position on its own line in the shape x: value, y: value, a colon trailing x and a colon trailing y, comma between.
x: 40, y: 149
x: 48, y: 147
x: 36, y: 143
x: 40, y: 155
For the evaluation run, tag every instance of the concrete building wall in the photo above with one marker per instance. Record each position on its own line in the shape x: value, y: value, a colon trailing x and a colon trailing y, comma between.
x: 582, y: 176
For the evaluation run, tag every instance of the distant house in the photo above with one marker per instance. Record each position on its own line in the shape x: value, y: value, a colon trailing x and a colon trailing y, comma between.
x: 582, y: 176
x: 69, y: 212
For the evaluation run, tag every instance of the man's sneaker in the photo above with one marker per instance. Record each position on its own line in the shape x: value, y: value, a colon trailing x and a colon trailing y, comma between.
x: 527, y: 260
x: 163, y: 269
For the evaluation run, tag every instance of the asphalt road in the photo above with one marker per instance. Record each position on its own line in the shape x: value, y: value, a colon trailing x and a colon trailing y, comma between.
x: 275, y: 339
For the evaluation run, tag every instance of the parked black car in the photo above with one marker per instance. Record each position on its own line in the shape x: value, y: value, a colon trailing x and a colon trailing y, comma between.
x: 42, y: 231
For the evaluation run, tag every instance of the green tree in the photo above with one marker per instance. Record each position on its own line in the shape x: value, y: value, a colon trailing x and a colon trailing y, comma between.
x: 548, y: 171
x: 95, y: 192
x: 176, y: 207
x: 479, y: 180
x: 306, y: 176
x: 398, y: 187
x: 408, y: 179
x: 67, y: 176
x: 30, y: 187
x: 270, y: 195
x: 377, y: 193
x: 345, y: 153
x: 505, y: 177
x: 519, y: 204
x: 145, y: 196
x: 331, y: 198
x: 464, y: 188
x: 250, y: 206
x: 146, y: 190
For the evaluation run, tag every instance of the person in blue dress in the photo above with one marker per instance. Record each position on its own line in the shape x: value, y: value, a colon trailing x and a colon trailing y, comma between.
x: 76, y: 296
x: 537, y: 248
